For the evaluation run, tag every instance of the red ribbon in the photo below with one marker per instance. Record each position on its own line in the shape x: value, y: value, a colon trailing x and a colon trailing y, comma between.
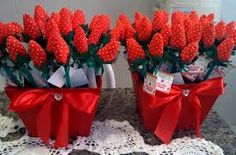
x: 83, y: 100
x: 173, y: 104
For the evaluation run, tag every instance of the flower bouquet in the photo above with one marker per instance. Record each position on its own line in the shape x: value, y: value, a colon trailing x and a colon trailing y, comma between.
x: 177, y: 69
x: 53, y: 67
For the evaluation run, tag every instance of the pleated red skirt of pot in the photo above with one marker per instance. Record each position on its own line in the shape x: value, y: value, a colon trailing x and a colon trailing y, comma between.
x: 152, y: 108
x: 72, y: 109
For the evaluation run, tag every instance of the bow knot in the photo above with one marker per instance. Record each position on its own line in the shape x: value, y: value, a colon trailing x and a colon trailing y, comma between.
x: 81, y: 100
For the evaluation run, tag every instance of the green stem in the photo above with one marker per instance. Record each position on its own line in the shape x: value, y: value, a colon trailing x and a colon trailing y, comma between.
x: 67, y: 75
x: 30, y: 78
x: 210, y: 70
x: 12, y: 77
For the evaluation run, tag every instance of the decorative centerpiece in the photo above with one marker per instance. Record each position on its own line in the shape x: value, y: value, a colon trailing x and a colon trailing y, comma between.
x: 177, y: 69
x: 53, y: 67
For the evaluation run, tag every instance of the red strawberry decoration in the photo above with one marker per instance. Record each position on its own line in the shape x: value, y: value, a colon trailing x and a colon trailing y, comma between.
x: 194, y: 16
x: 15, y: 48
x: 208, y: 35
x: 129, y: 31
x: 61, y: 50
x: 101, y: 22
x: 230, y: 27
x: 188, y: 23
x: 156, y: 46
x: 94, y: 37
x: 51, y: 27
x: 189, y: 52
x: 220, y: 30
x: 166, y: 34
x: 160, y: 19
x: 194, y: 34
x: 116, y: 33
x: 178, y: 39
x: 138, y: 17
x: 234, y: 37
x: 2, y: 33
x: 124, y: 19
x: 78, y: 18
x: 109, y: 52
x: 13, y: 29
x: 40, y: 13
x: 178, y: 17
x: 80, y: 40
x: 30, y: 27
x: 134, y: 50
x: 56, y: 17
x: 224, y: 50
x: 65, y: 24
x: 144, y: 29
x: 37, y: 54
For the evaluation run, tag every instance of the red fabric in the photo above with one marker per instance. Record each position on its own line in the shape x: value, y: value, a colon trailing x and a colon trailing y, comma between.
x: 46, y: 117
x: 164, y: 113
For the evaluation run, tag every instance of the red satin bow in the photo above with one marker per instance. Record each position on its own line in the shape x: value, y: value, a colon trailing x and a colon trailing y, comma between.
x: 80, y: 100
x: 173, y: 102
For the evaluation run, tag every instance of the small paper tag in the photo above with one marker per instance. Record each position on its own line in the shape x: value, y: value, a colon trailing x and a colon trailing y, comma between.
x: 57, y: 78
x: 164, y: 82
x: 78, y: 78
x: 191, y: 77
x: 149, y: 85
x: 178, y: 79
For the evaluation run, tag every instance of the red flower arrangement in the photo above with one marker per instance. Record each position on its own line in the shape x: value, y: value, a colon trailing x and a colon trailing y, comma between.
x: 175, y: 67
x: 53, y: 67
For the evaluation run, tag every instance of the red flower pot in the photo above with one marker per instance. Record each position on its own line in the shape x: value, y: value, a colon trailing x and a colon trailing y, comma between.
x: 185, y: 107
x: 55, y: 113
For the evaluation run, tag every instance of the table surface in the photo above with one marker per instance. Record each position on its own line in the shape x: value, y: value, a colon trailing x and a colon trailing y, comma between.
x: 119, y: 104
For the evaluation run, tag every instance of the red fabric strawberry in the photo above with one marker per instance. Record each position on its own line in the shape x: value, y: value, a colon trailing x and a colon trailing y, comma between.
x: 208, y: 35
x: 94, y: 37
x: 65, y: 24
x: 166, y: 34
x: 15, y: 48
x: 189, y: 52
x: 61, y: 50
x: 2, y: 33
x: 42, y: 27
x: 51, y: 27
x: 138, y: 17
x: 156, y: 46
x: 188, y: 23
x: 234, y: 37
x: 30, y: 27
x: 178, y: 17
x: 194, y: 34
x: 134, y: 50
x: 80, y: 40
x: 116, y: 33
x: 129, y: 31
x: 56, y: 17
x: 224, y: 50
x: 178, y: 39
x: 37, y: 54
x: 160, y: 19
x: 101, y: 22
x: 220, y: 30
x: 109, y: 52
x: 13, y: 29
x: 78, y: 18
x: 144, y: 29
x: 194, y: 16
x: 230, y: 27
x: 40, y: 13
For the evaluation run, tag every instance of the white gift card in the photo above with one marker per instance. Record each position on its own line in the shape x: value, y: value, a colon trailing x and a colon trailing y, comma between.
x: 178, y: 79
x: 164, y: 82
x: 149, y: 85
x: 57, y: 78
x: 78, y: 78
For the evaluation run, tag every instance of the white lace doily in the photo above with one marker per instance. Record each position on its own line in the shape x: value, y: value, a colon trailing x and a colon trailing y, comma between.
x: 108, y: 137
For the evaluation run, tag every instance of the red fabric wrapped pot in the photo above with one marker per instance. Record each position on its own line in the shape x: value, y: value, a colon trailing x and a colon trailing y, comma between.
x: 55, y: 113
x: 185, y: 107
